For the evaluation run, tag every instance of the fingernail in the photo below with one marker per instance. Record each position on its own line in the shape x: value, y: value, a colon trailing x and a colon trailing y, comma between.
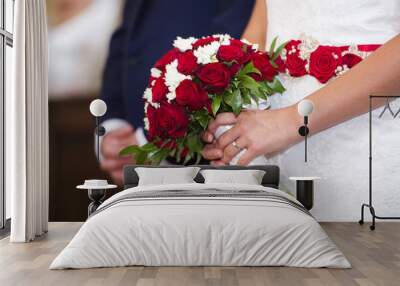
x: 209, y: 138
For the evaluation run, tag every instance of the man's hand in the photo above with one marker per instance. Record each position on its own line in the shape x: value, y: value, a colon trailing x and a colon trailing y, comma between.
x: 113, y: 142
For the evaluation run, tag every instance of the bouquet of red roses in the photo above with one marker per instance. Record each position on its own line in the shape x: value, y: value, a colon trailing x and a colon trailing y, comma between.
x: 195, y: 81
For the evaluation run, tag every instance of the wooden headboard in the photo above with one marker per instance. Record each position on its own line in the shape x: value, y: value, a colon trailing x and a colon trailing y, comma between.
x: 270, y: 179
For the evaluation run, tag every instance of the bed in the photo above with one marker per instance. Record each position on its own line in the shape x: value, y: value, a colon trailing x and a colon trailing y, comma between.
x: 201, y: 224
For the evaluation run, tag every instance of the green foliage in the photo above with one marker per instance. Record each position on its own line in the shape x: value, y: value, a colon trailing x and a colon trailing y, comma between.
x: 272, y: 48
x: 278, y: 51
x: 247, y: 69
x: 202, y: 117
x: 148, y: 153
x: 277, y: 86
x: 216, y: 104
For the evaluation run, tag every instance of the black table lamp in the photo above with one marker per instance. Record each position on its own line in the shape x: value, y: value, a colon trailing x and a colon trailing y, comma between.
x: 98, y: 108
x: 305, y: 108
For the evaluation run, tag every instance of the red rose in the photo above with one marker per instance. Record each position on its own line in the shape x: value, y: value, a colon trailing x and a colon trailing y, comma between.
x: 350, y: 60
x: 191, y: 95
x: 159, y: 90
x: 323, y: 62
x: 204, y: 41
x: 167, y: 59
x: 162, y: 144
x: 234, y: 68
x: 296, y: 65
x: 154, y: 130
x: 151, y: 80
x: 187, y: 63
x: 230, y: 53
x: 281, y: 64
x: 172, y: 120
x: 215, y: 76
x: 262, y: 63
x: 237, y: 43
x: 293, y: 44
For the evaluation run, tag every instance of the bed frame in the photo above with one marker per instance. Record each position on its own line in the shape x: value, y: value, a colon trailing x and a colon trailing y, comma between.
x: 270, y: 179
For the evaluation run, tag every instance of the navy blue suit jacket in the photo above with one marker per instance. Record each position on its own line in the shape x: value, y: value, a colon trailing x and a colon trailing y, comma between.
x: 147, y: 32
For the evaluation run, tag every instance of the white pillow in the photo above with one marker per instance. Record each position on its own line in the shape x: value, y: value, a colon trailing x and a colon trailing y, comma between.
x: 163, y: 176
x: 248, y: 177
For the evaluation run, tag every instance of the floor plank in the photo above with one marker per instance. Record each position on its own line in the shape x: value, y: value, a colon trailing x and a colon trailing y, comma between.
x: 375, y: 257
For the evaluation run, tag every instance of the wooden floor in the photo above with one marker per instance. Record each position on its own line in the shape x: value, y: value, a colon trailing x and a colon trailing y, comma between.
x: 375, y: 257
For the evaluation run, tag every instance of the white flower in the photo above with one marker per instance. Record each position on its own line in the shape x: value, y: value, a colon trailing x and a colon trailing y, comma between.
x: 207, y: 54
x: 307, y: 46
x: 184, y: 44
x: 224, y: 40
x: 171, y: 96
x: 146, y: 124
x: 173, y: 78
x: 156, y: 73
x: 254, y: 46
x: 148, y: 96
x: 227, y: 36
x: 353, y: 49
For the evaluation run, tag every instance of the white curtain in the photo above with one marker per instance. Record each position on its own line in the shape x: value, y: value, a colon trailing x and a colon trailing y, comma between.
x: 27, y: 124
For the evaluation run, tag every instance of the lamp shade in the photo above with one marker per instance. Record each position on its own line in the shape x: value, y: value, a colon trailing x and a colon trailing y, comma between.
x: 305, y: 107
x: 98, y: 107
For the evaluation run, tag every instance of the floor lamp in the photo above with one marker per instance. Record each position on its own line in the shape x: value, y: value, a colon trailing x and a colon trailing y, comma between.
x: 305, y: 108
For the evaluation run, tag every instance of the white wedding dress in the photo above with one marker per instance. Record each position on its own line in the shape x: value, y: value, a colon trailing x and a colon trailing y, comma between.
x: 339, y: 155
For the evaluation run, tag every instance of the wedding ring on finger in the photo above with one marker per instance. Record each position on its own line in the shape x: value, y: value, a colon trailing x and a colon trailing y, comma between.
x: 234, y: 143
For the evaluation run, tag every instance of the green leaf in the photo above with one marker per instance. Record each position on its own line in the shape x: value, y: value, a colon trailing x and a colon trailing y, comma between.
x: 260, y: 94
x: 235, y: 84
x: 194, y: 143
x: 149, y: 147
x: 237, y: 102
x: 247, y: 69
x: 274, y: 64
x: 159, y: 155
x: 246, y: 96
x: 141, y: 158
x: 187, y: 158
x: 202, y: 117
x: 272, y: 48
x: 267, y: 89
x: 249, y: 82
x: 228, y: 98
x: 277, y: 86
x: 255, y: 98
x: 198, y: 158
x: 278, y: 51
x: 216, y: 104
x: 133, y: 149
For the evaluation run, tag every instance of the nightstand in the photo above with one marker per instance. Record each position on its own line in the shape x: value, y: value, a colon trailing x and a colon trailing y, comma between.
x: 96, y: 191
x: 305, y: 190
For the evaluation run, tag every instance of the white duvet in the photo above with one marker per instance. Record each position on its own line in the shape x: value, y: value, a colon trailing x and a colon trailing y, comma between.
x: 200, y: 231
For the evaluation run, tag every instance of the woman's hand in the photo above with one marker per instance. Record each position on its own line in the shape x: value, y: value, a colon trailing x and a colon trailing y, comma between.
x: 261, y: 132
